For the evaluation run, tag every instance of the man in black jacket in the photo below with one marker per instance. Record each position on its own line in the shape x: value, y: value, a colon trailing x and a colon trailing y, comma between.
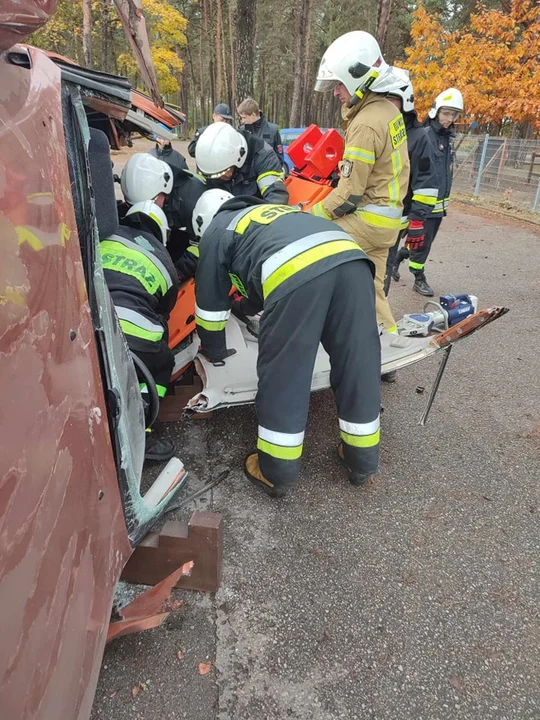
x: 222, y: 113
x: 164, y: 150
x: 239, y: 162
x: 440, y: 129
x: 422, y: 193
x: 314, y: 284
x: 254, y: 121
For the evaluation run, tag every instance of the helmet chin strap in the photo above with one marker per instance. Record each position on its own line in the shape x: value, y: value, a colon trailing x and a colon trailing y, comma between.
x: 360, y: 92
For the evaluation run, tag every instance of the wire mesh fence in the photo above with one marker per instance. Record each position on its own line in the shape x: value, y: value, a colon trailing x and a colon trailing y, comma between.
x: 501, y: 170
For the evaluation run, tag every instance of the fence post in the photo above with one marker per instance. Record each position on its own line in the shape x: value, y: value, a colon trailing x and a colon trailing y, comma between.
x: 537, y: 198
x: 481, y: 168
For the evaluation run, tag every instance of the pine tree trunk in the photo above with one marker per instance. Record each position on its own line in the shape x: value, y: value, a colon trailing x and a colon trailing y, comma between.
x: 383, y: 17
x: 303, y: 18
x: 87, y: 32
x: 105, y: 35
x: 234, y: 95
x: 245, y: 27
x: 219, y: 51
x: 307, y: 91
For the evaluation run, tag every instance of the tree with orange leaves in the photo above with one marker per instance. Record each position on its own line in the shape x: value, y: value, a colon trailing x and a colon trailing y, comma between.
x: 494, y: 62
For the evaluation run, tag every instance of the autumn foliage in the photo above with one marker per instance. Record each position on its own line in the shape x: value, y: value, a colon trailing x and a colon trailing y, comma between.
x: 495, y: 62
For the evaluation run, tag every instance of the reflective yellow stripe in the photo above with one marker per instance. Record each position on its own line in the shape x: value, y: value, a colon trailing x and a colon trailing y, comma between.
x: 161, y: 390
x: 426, y: 199
x: 415, y: 265
x: 116, y: 256
x: 363, y: 441
x: 194, y: 250
x: 279, y: 451
x: 302, y: 261
x: 379, y: 220
x: 155, y: 217
x: 213, y: 325
x: 319, y: 211
x: 277, y: 173
x: 393, y: 185
x: 358, y: 153
x: 267, y: 179
x: 130, y: 329
x: 262, y: 215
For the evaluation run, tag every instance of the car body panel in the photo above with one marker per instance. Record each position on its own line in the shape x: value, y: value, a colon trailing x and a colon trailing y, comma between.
x: 64, y: 539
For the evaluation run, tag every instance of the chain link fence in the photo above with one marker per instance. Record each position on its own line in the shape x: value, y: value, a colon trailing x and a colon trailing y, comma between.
x: 504, y: 171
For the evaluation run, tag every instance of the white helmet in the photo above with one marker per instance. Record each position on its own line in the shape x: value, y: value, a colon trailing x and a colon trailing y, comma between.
x: 206, y: 208
x: 145, y: 177
x: 149, y: 216
x: 355, y: 60
x: 403, y: 91
x: 219, y: 148
x: 451, y: 98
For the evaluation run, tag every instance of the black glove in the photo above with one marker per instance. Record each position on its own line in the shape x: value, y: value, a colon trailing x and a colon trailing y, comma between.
x: 217, y: 358
x: 243, y: 311
x: 186, y: 265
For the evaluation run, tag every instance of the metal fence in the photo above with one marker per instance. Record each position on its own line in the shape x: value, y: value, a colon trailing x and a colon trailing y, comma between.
x: 505, y: 171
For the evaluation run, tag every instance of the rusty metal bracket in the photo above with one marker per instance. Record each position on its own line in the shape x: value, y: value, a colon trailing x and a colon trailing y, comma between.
x: 146, y: 611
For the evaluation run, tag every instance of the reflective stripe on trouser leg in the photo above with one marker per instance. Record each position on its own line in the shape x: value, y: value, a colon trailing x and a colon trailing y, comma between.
x: 418, y: 258
x: 355, y: 359
x: 160, y: 365
x: 289, y: 336
x: 375, y: 241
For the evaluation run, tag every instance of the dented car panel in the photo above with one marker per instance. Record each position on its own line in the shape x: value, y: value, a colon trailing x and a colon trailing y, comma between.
x: 64, y: 539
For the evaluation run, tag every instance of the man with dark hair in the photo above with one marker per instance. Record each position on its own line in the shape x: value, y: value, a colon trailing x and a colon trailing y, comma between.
x: 222, y: 113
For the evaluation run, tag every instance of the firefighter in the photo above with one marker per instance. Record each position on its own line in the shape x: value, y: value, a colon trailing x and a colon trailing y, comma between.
x: 143, y: 176
x: 254, y: 121
x: 440, y: 128
x: 241, y: 163
x: 222, y: 113
x: 143, y: 284
x: 368, y: 199
x: 313, y: 284
x: 423, y: 189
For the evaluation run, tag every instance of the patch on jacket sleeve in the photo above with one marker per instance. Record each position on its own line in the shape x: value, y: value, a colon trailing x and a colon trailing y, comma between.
x: 345, y: 168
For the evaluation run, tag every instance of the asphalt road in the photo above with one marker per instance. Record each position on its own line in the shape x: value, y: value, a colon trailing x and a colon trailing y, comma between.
x: 416, y: 598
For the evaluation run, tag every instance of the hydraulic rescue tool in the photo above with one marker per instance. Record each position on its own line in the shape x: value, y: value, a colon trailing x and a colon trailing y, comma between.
x: 450, y: 310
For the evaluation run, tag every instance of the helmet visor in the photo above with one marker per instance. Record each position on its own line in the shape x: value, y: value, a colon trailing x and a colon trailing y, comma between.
x: 325, y: 84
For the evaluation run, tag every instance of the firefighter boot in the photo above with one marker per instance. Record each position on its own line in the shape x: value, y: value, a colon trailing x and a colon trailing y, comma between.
x: 253, y: 473
x: 355, y: 478
x: 157, y: 448
x: 402, y: 255
x: 421, y: 284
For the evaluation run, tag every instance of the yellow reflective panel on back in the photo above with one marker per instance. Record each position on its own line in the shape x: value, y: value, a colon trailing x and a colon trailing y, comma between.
x: 117, y: 257
x: 398, y: 131
x: 263, y: 215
